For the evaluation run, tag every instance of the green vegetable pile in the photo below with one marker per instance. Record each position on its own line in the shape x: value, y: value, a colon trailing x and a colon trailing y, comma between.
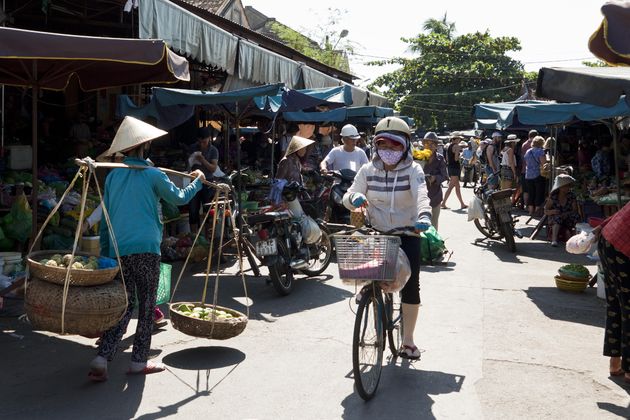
x: 201, y: 312
x: 576, y: 268
x: 79, y: 262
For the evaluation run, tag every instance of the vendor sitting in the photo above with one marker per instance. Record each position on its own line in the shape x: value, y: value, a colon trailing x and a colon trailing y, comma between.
x: 561, y: 207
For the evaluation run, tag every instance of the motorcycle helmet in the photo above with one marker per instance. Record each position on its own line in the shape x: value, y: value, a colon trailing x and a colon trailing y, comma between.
x: 396, y: 126
x: 290, y: 191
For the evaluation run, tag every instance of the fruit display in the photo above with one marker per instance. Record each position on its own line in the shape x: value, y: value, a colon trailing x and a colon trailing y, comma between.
x: 78, y: 262
x: 201, y: 312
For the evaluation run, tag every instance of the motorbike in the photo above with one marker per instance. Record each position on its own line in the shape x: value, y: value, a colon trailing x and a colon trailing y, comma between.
x: 287, y: 243
x: 497, y: 222
x: 470, y: 173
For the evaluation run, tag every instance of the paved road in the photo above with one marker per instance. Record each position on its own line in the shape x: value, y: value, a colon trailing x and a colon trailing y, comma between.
x: 499, y: 341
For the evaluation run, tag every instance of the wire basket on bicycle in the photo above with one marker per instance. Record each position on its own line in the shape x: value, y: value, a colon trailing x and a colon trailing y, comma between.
x: 367, y: 257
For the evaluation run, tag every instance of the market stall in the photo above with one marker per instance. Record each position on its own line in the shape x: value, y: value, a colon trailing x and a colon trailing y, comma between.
x: 43, y: 60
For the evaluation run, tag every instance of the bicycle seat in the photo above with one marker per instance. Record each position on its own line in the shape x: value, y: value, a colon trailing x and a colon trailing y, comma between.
x: 267, y: 217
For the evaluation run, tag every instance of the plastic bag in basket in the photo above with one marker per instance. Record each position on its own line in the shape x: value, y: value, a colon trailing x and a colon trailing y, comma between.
x: 403, y: 272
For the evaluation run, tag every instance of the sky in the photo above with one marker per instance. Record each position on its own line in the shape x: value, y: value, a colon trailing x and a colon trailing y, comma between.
x: 553, y: 33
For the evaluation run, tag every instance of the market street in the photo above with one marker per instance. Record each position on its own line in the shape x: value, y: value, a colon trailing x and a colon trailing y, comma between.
x: 499, y: 341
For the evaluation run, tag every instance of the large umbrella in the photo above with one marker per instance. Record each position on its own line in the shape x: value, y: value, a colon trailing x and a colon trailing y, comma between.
x: 43, y: 60
x: 611, y: 41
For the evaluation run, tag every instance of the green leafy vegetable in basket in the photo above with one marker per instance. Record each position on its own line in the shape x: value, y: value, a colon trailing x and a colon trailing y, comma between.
x: 576, y: 268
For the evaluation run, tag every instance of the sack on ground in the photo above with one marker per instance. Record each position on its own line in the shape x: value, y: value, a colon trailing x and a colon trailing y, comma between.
x: 580, y: 243
x: 475, y: 209
x: 403, y: 272
x: 431, y: 246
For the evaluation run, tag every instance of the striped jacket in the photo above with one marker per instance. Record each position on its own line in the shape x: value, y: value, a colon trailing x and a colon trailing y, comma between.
x: 396, y: 198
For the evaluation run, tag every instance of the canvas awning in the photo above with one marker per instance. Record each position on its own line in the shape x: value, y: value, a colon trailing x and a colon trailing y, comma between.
x: 547, y: 113
x: 600, y: 86
x: 188, y: 34
x: 97, y: 62
x: 263, y: 66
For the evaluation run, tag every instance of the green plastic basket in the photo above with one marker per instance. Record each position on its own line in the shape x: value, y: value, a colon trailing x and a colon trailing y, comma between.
x: 164, y: 285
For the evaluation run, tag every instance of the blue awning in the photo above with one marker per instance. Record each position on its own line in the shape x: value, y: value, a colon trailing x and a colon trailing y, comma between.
x: 296, y: 100
x: 168, y: 97
x: 336, y: 115
x: 504, y: 115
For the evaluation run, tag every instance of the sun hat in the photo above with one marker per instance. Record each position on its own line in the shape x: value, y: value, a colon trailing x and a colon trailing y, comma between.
x: 497, y: 134
x: 463, y: 144
x: 512, y: 138
x: 532, y: 133
x: 131, y: 133
x: 562, y: 180
x: 431, y: 136
x: 456, y: 135
x: 296, y: 144
x: 351, y: 131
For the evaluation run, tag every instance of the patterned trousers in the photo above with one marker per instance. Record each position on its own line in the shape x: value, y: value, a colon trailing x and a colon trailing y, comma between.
x: 142, y: 273
x: 617, y: 279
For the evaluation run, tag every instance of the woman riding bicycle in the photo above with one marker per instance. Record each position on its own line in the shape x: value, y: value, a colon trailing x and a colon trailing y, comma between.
x: 393, y: 191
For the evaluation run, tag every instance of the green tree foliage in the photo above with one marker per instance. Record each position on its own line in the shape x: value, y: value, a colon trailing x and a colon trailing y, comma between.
x: 450, y: 74
x: 327, y: 43
x: 598, y: 63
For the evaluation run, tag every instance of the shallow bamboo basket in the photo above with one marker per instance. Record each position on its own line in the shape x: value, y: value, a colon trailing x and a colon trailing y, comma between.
x: 89, y: 310
x: 57, y: 275
x: 570, y: 285
x: 223, y: 328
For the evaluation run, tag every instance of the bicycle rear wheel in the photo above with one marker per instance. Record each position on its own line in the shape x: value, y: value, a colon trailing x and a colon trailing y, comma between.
x: 368, y: 343
x: 394, y: 321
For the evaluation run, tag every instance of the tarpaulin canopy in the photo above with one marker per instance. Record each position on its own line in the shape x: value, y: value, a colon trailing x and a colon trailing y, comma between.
x: 336, y: 115
x: 297, y: 100
x: 43, y: 60
x: 49, y: 60
x: 611, y: 41
x: 592, y: 85
x: 546, y: 113
x: 367, y: 114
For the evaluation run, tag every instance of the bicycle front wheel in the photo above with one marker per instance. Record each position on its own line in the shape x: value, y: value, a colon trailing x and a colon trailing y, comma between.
x: 395, y: 322
x: 368, y: 343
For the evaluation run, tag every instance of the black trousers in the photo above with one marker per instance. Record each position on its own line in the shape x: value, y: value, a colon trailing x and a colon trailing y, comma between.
x: 411, y: 292
x: 617, y: 280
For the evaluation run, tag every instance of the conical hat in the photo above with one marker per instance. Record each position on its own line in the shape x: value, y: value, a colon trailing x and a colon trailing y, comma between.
x: 562, y: 180
x: 297, y: 143
x: 131, y: 133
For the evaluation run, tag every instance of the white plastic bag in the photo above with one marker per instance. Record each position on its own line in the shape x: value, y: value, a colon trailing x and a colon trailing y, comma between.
x: 403, y: 272
x: 580, y: 243
x: 311, y: 233
x: 475, y: 209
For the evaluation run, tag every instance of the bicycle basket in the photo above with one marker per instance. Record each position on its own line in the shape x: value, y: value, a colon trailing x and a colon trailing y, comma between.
x: 362, y: 257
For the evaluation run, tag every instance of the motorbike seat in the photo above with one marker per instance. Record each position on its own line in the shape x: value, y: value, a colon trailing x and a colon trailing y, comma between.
x: 267, y: 217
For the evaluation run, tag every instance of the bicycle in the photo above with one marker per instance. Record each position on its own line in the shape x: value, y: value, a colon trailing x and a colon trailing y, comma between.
x: 372, y: 259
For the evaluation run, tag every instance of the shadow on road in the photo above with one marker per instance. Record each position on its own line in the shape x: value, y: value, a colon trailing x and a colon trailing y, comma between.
x: 622, y: 412
x: 584, y: 308
x: 202, y: 358
x: 403, y: 393
x: 47, y: 378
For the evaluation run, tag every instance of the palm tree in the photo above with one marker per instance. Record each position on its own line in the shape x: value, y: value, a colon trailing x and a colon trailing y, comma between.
x: 439, y: 26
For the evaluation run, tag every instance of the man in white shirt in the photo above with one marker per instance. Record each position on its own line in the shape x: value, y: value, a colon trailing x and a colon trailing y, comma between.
x: 347, y: 156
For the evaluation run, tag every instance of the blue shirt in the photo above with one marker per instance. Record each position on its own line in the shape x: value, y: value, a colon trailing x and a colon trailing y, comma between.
x: 532, y: 162
x: 131, y: 199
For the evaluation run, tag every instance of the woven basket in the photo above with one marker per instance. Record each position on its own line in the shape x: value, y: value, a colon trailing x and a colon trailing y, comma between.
x: 223, y: 328
x: 570, y: 286
x: 572, y: 275
x: 57, y: 275
x: 89, y: 310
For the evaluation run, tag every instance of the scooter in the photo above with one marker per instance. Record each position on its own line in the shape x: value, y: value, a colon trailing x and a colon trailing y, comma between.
x: 497, y: 222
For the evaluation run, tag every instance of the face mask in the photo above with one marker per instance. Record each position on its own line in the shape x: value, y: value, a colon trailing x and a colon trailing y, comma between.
x: 390, y: 157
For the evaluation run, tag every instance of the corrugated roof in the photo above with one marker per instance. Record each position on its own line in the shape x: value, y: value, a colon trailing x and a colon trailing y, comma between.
x: 210, y: 5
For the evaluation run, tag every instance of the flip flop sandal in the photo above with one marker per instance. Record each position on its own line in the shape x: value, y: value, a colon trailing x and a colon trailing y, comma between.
x: 409, y: 352
x: 97, y: 375
x: 148, y: 369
